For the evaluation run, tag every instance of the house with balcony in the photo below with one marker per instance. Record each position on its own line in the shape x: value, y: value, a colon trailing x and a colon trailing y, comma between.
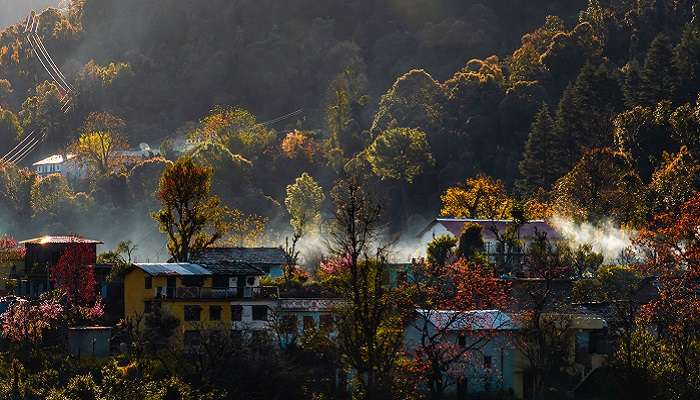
x: 216, y: 296
x: 505, y: 242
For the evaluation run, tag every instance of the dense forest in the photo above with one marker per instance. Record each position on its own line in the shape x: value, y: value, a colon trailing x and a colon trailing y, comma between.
x: 566, y: 107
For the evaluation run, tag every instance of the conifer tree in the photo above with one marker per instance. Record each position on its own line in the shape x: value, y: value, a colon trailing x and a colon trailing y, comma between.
x: 658, y: 77
x: 632, y: 81
x: 687, y: 61
x: 535, y: 165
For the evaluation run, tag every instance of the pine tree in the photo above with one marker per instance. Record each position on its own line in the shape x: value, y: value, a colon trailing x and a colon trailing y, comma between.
x: 535, y: 166
x: 658, y: 77
x: 687, y: 61
x: 567, y: 127
x: 632, y: 81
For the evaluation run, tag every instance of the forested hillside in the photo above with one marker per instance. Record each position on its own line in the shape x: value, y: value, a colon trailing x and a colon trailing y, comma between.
x: 578, y: 109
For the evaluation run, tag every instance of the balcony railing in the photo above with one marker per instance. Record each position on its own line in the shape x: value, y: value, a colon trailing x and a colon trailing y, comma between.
x: 258, y: 292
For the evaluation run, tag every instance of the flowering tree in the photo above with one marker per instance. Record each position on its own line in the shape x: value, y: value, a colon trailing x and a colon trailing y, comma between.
x: 452, y: 301
x: 10, y: 250
x: 26, y: 323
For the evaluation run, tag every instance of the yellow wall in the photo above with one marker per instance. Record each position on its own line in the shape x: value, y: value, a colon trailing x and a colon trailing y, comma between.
x: 135, y: 294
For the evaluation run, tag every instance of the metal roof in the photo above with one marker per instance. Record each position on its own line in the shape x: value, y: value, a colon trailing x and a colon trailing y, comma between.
x: 475, y: 320
x: 60, y: 240
x: 173, y: 269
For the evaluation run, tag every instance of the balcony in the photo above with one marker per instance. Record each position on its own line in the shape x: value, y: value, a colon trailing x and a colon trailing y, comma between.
x: 203, y: 293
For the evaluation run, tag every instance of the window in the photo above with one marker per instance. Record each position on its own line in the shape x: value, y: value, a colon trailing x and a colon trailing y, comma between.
x: 309, y: 323
x: 236, y: 313
x: 148, y: 282
x: 259, y: 313
x: 326, y: 322
x: 215, y: 313
x: 487, y: 362
x: 251, y: 281
x: 290, y: 324
x: 192, y: 313
x: 192, y: 281
x: 220, y: 281
x: 147, y: 307
x: 462, y: 339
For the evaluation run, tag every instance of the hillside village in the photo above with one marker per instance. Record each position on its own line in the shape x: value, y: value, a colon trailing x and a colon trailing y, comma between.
x: 352, y: 200
x: 241, y: 292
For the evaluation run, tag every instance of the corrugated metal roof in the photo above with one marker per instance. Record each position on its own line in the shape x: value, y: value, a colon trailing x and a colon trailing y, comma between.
x: 173, y: 269
x: 60, y: 240
x: 475, y: 320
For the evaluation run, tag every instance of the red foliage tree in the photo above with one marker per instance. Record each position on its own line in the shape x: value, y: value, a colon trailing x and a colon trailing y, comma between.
x: 460, y: 300
x: 74, y: 274
x: 671, y: 246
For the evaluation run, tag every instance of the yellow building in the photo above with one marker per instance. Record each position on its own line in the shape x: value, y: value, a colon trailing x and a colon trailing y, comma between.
x: 226, y: 295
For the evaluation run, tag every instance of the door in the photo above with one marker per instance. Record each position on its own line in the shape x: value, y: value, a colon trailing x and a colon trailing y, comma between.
x: 171, y: 285
x: 241, y: 286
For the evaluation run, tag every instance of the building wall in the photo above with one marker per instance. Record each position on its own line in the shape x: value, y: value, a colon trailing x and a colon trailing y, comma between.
x: 136, y: 294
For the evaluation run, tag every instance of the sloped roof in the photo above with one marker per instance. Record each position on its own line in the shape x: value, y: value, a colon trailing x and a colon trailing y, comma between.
x: 233, y: 268
x: 468, y: 320
x: 60, y: 240
x: 54, y: 159
x: 527, y: 230
x: 173, y: 269
x: 248, y: 255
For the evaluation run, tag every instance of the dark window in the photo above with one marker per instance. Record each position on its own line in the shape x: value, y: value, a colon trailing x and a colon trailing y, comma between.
x: 220, y: 281
x: 290, y: 323
x: 192, y: 281
x: 259, y: 313
x: 487, y: 362
x: 251, y: 280
x: 147, y: 306
x: 215, y: 313
x: 236, y: 313
x: 462, y: 339
x: 192, y: 313
x: 326, y: 322
x: 309, y: 323
x: 148, y: 282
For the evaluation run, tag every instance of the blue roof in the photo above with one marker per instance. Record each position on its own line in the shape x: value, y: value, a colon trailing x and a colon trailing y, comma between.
x: 173, y: 269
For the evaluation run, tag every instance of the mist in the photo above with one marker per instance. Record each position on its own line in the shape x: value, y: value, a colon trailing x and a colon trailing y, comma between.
x: 604, y: 238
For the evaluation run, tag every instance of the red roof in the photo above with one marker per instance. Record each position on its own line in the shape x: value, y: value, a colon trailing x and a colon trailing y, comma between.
x: 60, y: 240
x: 527, y: 230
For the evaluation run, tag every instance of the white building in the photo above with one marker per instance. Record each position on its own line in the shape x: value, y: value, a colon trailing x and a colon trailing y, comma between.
x: 67, y: 166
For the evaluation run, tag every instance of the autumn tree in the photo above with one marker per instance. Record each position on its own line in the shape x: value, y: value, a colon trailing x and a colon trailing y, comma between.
x: 101, y: 142
x: 480, y: 197
x: 671, y: 246
x: 303, y: 202
x: 191, y: 217
x: 400, y: 154
x: 602, y: 184
x: 674, y: 182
